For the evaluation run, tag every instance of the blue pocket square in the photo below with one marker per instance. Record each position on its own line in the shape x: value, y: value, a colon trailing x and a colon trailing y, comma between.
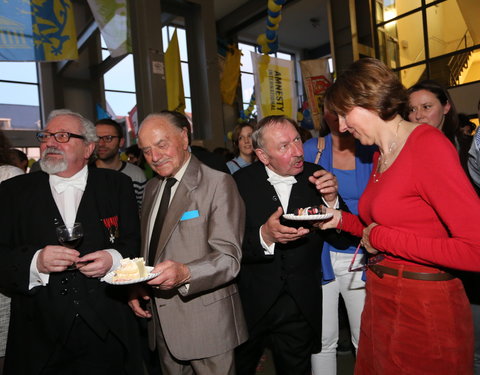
x: 190, y: 215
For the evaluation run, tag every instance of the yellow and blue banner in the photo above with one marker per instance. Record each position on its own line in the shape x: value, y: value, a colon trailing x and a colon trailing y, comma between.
x: 275, y: 92
x: 37, y: 30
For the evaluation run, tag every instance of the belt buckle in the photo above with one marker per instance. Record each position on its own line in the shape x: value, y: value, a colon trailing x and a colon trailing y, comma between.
x: 377, y: 271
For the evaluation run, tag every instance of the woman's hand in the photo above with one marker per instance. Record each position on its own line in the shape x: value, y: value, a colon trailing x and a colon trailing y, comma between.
x: 366, y: 239
x: 331, y: 223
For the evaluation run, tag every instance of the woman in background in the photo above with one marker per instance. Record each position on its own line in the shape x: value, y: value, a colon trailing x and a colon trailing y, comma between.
x: 351, y: 163
x: 430, y: 103
x: 419, y: 216
x: 242, y: 147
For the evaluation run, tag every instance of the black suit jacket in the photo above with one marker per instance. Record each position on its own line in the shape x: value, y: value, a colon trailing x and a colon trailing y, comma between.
x: 41, y: 317
x: 295, y: 267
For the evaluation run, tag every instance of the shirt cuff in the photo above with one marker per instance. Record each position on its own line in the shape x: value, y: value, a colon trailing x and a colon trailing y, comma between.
x: 116, y: 258
x: 269, y: 250
x: 37, y: 278
x: 336, y: 205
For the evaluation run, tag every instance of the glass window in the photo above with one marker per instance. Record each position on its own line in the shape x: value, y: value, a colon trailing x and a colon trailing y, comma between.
x: 447, y: 31
x: 283, y: 56
x: 389, y: 9
x: 186, y: 80
x: 246, y: 59
x: 412, y: 75
x: 247, y: 87
x: 105, y: 51
x: 400, y: 43
x: 246, y: 73
x: 121, y: 76
x: 18, y: 71
x: 470, y: 72
x: 121, y: 102
x: 17, y: 93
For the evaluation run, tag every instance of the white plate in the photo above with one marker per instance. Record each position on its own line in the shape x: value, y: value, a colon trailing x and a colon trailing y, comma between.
x: 307, y: 217
x: 108, y: 278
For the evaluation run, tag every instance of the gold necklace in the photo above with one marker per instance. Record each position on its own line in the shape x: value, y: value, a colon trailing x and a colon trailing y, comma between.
x: 382, y: 159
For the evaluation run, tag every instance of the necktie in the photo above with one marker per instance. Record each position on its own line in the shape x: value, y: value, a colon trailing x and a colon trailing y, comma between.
x: 162, y: 212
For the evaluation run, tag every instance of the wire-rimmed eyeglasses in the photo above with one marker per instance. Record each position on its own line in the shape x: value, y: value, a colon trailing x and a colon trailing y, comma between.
x: 60, y: 137
x: 107, y: 138
x: 370, y: 262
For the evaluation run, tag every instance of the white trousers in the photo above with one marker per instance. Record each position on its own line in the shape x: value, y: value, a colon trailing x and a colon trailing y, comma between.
x: 352, y: 288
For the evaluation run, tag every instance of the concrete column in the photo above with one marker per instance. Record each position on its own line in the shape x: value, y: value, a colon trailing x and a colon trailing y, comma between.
x: 204, y: 72
x: 148, y: 59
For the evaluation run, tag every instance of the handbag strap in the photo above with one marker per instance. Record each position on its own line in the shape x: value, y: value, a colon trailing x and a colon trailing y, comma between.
x: 320, y: 148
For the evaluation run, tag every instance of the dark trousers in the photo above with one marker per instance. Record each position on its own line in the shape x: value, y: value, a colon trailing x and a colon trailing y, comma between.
x: 286, y: 333
x: 84, y: 352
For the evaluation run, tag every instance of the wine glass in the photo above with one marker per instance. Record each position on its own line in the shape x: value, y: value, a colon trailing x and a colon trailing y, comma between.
x: 70, y: 236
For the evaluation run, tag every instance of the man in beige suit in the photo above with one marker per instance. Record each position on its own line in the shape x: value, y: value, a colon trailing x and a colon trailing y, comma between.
x: 194, y: 311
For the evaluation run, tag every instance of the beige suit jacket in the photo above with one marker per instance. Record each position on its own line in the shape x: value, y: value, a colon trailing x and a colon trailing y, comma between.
x: 203, y: 229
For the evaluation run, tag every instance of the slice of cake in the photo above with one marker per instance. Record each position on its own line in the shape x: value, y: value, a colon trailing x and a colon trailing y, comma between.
x: 130, y: 269
x: 314, y: 210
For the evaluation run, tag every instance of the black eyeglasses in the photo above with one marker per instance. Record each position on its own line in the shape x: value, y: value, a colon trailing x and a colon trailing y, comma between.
x: 60, y: 137
x: 107, y: 138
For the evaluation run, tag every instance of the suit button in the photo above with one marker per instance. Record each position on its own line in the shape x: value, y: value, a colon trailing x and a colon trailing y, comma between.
x: 64, y: 292
x: 76, y: 302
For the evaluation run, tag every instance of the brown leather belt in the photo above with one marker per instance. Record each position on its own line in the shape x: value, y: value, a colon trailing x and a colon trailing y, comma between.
x: 380, y: 270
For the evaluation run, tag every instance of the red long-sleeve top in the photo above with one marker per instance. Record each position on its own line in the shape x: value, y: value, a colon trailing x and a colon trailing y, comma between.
x: 425, y: 207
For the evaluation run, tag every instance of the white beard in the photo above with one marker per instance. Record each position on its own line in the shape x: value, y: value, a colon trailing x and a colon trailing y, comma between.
x: 52, y: 166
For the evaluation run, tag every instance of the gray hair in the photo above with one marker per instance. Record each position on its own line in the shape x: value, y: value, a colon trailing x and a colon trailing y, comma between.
x: 89, y: 131
x: 257, y: 135
x: 177, y: 119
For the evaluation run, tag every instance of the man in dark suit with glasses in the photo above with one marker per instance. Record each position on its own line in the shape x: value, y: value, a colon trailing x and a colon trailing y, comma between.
x: 67, y: 321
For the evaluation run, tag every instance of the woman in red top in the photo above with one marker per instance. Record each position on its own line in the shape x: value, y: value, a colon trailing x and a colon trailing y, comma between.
x: 419, y: 216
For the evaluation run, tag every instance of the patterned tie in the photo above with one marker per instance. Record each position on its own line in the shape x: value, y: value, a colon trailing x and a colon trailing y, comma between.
x: 157, y: 227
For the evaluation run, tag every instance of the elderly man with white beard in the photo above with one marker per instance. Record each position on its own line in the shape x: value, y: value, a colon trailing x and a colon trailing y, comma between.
x: 64, y: 320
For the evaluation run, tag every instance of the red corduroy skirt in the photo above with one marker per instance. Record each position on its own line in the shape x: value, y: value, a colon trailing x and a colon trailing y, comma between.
x: 414, y: 327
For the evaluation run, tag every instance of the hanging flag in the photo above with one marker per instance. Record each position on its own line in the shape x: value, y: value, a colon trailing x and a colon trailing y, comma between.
x: 37, y: 31
x: 112, y: 19
x: 316, y: 79
x: 230, y: 75
x: 102, y: 113
x: 275, y: 92
x: 132, y: 121
x: 173, y: 76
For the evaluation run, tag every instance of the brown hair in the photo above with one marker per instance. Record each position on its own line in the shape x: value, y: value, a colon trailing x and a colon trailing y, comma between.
x: 236, y: 134
x: 370, y: 84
